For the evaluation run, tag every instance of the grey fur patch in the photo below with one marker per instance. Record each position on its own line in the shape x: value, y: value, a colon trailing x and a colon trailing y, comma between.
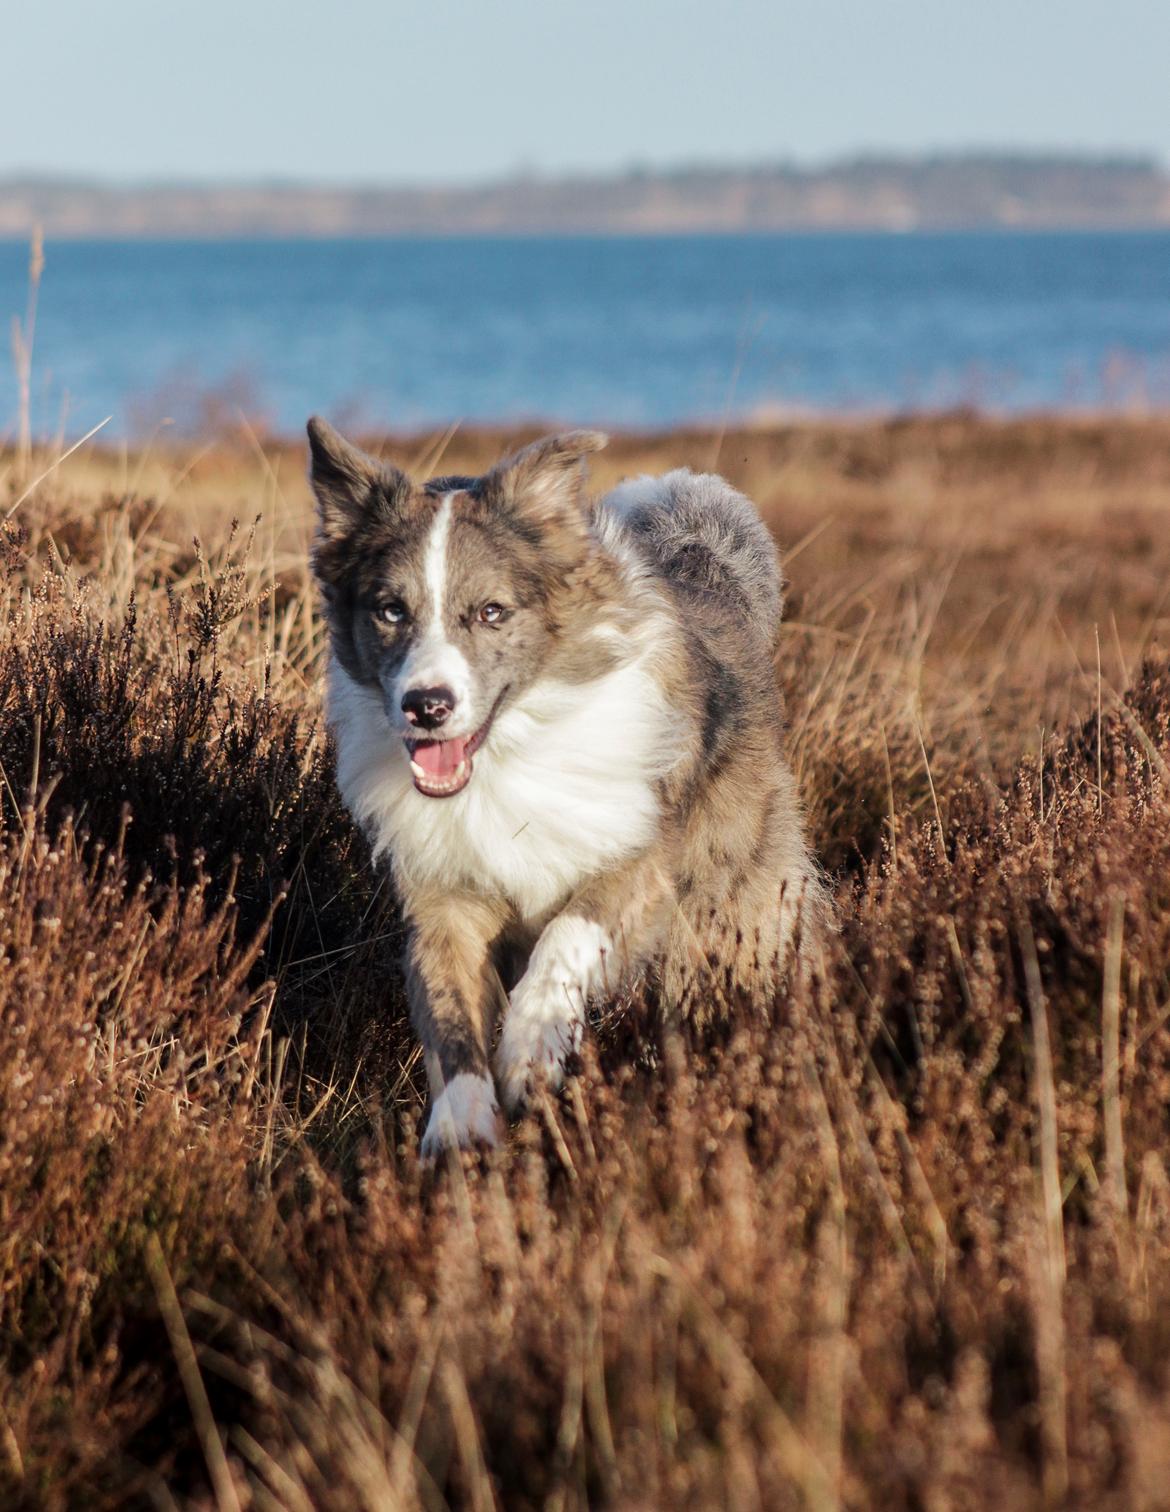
x: 705, y: 537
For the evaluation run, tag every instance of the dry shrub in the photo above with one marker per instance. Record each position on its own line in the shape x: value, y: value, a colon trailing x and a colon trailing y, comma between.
x: 130, y: 1042
x: 901, y: 1239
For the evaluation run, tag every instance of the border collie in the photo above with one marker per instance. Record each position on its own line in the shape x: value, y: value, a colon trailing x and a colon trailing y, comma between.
x: 557, y: 720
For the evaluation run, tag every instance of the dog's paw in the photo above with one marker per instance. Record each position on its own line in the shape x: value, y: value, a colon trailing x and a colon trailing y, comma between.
x: 533, y: 1049
x: 546, y: 1013
x: 464, y: 1116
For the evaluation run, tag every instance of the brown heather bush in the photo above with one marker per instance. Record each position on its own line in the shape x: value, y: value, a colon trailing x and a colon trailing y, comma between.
x: 900, y: 1241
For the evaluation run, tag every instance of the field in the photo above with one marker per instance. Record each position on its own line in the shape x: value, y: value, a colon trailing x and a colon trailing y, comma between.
x: 899, y: 1241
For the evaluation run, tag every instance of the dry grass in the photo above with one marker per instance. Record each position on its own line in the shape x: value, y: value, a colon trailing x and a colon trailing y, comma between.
x: 902, y: 1242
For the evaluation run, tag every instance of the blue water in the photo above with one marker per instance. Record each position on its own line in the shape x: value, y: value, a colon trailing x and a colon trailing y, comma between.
x: 628, y: 332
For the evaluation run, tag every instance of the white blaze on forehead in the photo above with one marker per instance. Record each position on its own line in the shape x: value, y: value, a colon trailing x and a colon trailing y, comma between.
x: 435, y: 662
x: 436, y: 558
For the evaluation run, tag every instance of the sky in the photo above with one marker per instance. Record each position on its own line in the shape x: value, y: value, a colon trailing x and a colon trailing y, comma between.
x: 466, y: 90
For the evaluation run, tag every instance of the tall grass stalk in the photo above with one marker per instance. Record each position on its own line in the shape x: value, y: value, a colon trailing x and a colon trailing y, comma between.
x: 23, y: 339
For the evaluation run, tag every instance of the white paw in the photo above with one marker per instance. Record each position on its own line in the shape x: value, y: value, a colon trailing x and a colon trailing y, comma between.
x: 464, y: 1114
x: 546, y: 1014
x: 534, y: 1047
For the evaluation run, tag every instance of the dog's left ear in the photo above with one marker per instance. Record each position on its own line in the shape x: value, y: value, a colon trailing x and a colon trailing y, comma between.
x: 546, y: 481
x: 349, y: 485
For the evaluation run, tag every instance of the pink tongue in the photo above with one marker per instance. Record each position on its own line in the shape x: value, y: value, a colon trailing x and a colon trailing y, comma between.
x: 438, y: 758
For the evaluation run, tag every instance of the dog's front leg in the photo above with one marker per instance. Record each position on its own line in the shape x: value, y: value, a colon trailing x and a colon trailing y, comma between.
x: 612, y: 926
x: 453, y: 988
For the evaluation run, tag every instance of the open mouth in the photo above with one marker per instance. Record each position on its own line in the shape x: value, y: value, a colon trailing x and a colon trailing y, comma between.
x: 442, y: 768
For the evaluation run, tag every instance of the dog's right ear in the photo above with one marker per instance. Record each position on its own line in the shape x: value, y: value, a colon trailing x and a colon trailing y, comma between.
x: 349, y: 485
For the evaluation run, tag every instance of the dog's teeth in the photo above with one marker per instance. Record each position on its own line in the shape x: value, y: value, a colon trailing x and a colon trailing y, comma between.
x: 450, y: 784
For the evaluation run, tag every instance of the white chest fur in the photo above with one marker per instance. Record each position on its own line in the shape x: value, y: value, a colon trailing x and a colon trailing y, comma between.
x: 563, y: 788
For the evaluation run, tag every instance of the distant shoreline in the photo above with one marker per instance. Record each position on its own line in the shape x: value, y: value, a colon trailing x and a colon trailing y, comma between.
x: 965, y: 192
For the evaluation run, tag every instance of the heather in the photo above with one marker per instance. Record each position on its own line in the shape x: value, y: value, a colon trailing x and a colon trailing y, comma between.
x: 900, y: 1238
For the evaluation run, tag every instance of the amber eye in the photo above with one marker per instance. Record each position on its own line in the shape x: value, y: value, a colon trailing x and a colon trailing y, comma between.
x: 492, y: 614
x: 393, y: 613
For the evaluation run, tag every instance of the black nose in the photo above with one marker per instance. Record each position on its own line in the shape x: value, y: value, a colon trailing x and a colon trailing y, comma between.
x: 428, y: 708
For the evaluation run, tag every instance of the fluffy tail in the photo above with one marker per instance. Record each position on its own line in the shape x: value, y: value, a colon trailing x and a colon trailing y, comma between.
x: 698, y: 530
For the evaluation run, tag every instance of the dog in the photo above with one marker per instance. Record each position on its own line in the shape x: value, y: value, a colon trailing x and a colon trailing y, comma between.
x: 558, y: 721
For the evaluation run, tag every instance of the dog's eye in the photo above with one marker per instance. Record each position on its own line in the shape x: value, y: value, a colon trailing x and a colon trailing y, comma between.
x: 492, y: 614
x: 393, y: 613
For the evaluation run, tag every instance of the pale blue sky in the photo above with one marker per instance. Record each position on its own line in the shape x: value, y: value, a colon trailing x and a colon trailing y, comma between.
x: 468, y: 89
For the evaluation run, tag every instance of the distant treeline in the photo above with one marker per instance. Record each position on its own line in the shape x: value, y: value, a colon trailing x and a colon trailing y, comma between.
x: 864, y: 193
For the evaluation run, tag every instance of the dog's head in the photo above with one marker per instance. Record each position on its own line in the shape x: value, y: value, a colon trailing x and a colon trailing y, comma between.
x: 443, y: 596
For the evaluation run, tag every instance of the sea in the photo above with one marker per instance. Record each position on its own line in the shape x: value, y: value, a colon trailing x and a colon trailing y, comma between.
x: 628, y: 332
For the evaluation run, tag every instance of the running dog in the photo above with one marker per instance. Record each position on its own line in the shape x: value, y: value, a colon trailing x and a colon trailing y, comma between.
x: 557, y: 719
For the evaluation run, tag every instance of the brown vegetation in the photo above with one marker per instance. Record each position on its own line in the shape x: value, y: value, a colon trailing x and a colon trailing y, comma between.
x: 902, y: 1242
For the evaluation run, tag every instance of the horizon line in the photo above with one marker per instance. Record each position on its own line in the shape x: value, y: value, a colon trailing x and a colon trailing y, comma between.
x: 1147, y: 160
